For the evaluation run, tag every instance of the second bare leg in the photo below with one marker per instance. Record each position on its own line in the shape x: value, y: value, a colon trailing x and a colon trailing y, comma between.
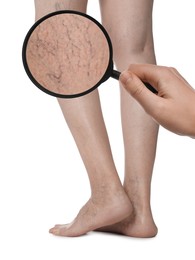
x: 129, y: 23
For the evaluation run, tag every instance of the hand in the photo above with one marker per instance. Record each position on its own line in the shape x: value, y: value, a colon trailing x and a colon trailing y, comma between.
x: 174, y: 105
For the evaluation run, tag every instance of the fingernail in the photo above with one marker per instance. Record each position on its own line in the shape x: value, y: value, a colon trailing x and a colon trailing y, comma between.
x: 126, y: 75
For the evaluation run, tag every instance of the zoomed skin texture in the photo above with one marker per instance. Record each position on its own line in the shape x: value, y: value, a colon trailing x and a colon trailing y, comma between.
x: 67, y: 54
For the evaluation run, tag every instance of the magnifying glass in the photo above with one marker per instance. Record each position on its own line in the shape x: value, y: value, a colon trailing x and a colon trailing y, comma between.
x: 68, y: 54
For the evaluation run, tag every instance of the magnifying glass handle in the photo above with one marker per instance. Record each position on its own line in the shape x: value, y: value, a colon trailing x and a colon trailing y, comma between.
x: 116, y: 74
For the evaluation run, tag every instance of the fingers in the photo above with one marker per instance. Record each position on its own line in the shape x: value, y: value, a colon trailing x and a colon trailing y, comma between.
x: 147, y: 73
x: 138, y: 90
x: 158, y: 76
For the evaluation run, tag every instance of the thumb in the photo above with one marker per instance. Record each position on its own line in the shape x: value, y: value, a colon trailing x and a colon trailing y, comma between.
x: 136, y: 88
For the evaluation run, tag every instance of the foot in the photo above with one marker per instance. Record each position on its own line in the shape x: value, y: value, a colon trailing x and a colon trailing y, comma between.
x: 96, y: 213
x: 140, y: 226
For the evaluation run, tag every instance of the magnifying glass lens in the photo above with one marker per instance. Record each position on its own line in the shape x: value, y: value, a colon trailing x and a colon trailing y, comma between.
x: 66, y: 54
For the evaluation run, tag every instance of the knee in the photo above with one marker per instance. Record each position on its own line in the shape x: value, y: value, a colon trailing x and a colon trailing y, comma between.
x: 130, y: 47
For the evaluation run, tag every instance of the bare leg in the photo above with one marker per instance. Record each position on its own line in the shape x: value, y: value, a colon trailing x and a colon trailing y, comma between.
x: 84, y: 118
x: 43, y: 7
x: 107, y: 192
x: 129, y: 23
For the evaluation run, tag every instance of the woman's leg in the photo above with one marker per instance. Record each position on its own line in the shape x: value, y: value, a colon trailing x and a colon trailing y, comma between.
x: 129, y: 24
x: 84, y: 118
x: 43, y: 7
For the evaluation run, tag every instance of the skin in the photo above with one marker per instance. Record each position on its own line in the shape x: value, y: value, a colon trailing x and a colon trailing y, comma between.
x: 173, y: 107
x: 65, y: 45
x: 129, y: 203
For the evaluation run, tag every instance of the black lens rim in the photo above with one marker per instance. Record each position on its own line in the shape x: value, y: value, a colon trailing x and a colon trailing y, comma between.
x: 106, y: 75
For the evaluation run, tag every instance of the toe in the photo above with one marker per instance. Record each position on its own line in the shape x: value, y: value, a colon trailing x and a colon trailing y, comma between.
x: 54, y: 231
x: 59, y: 230
x: 55, y: 228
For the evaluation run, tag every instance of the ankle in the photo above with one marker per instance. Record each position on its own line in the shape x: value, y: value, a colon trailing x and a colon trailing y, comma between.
x: 140, y: 199
x: 111, y: 197
x: 142, y: 209
x: 106, y: 189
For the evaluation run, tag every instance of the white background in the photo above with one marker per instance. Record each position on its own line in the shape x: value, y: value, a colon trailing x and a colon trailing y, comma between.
x: 42, y: 178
